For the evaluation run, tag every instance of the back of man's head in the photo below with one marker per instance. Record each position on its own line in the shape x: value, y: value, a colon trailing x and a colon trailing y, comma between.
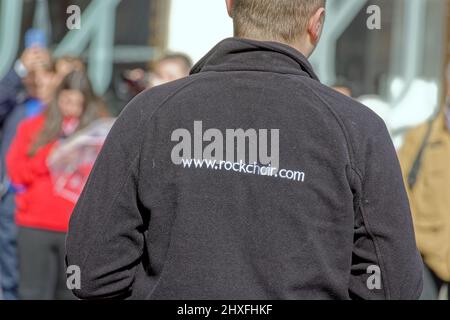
x: 278, y: 20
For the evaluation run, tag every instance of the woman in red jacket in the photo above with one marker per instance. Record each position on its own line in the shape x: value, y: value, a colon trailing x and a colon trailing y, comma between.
x: 41, y: 214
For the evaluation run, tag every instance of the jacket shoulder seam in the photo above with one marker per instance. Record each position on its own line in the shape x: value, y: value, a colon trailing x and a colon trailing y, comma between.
x: 149, y: 117
x: 350, y: 149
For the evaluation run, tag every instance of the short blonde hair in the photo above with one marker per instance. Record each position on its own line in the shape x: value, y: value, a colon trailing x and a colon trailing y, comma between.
x: 283, y: 20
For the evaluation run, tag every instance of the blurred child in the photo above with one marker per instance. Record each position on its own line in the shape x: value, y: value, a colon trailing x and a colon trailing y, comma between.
x: 169, y: 68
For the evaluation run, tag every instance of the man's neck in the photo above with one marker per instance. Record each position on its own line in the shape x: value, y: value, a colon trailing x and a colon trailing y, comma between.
x: 303, y: 49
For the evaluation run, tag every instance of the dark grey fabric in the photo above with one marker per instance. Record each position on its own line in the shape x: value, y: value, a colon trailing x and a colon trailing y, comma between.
x: 41, y: 265
x: 145, y: 228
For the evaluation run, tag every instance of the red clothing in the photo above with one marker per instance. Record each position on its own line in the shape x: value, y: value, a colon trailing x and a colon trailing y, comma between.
x: 38, y: 206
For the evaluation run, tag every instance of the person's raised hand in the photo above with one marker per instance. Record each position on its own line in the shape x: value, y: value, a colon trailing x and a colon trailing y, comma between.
x: 35, y: 57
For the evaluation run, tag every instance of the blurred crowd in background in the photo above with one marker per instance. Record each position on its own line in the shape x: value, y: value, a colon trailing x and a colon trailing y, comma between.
x: 52, y: 128
x: 54, y: 120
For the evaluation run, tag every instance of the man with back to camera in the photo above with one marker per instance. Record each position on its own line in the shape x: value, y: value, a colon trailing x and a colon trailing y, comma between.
x: 247, y: 180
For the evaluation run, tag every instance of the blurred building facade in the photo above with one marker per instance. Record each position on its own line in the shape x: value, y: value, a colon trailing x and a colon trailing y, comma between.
x: 114, y: 35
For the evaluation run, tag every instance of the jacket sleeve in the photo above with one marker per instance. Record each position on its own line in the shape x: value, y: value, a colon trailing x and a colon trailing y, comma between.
x: 386, y: 263
x: 10, y: 86
x: 105, y: 239
x: 22, y: 168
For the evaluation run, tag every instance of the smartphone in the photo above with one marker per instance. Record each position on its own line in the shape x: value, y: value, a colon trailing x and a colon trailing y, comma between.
x: 35, y: 38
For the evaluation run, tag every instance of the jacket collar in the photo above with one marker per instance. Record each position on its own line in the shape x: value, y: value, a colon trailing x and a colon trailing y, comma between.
x: 237, y: 54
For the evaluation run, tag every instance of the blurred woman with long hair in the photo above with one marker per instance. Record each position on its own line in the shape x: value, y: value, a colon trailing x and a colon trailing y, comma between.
x: 42, y: 214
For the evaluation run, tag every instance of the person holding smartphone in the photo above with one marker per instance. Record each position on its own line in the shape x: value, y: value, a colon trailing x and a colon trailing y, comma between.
x: 20, y: 98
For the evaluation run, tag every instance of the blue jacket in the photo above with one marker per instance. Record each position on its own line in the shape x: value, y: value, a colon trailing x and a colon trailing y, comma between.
x: 15, y: 106
x: 10, y: 86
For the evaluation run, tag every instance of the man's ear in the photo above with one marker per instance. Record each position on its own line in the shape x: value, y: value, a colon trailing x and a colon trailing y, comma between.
x: 230, y: 7
x: 315, y: 25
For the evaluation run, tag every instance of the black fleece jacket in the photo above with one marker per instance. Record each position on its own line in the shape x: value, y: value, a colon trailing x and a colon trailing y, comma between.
x: 147, y: 227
